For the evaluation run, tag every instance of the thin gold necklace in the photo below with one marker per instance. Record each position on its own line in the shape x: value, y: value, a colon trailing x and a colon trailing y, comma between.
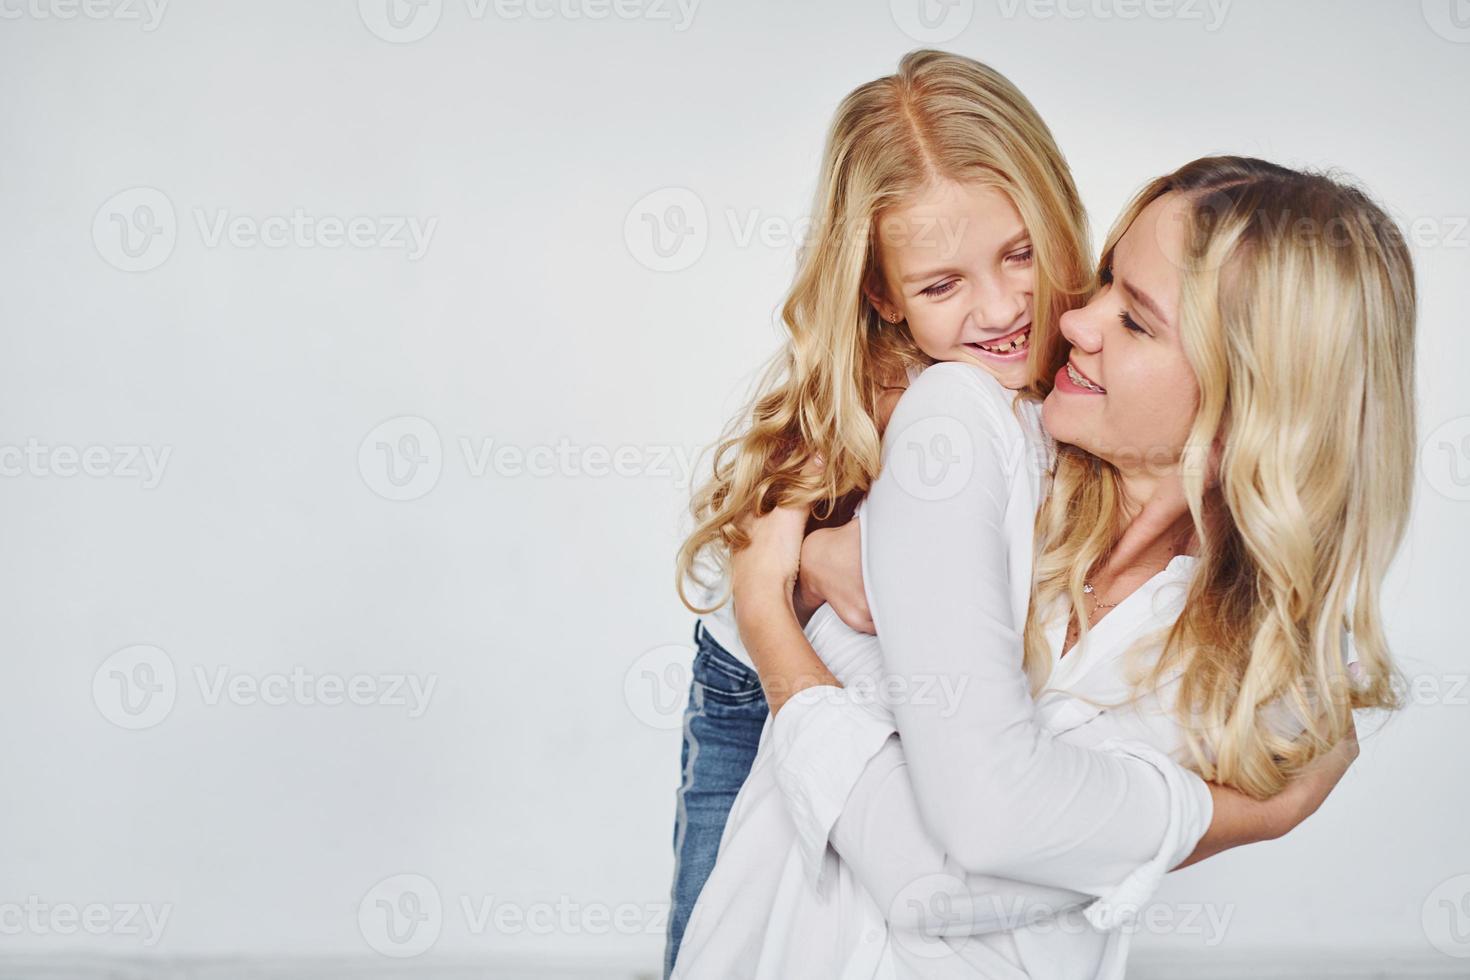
x: 1097, y: 602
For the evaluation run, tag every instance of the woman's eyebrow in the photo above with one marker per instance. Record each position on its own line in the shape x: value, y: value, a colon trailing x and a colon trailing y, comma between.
x: 1144, y: 300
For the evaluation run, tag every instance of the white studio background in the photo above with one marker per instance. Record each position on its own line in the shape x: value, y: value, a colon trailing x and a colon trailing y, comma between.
x: 346, y: 348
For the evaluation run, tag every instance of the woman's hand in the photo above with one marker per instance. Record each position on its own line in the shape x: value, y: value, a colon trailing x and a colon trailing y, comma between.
x: 1240, y: 819
x: 831, y: 571
x: 1303, y: 795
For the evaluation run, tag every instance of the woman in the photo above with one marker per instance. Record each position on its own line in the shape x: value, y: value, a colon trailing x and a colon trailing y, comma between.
x: 997, y: 263
x: 1235, y: 432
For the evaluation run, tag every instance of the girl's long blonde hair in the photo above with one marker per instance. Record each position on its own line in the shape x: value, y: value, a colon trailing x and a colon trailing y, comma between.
x: 1297, y: 316
x: 942, y: 116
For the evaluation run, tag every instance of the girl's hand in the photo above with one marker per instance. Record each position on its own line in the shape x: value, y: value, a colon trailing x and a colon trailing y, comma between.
x: 766, y: 569
x: 831, y: 571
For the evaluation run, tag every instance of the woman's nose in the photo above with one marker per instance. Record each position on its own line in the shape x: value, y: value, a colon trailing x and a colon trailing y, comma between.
x: 1080, y: 327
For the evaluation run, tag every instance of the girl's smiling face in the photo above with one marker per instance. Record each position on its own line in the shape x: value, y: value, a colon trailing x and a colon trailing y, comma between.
x: 958, y: 266
x: 1128, y: 393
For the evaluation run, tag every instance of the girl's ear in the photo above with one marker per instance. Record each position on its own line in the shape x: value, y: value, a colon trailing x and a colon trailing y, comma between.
x: 886, y: 310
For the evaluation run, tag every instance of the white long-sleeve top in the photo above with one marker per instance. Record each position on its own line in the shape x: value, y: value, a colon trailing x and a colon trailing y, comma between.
x: 720, y: 623
x: 966, y: 847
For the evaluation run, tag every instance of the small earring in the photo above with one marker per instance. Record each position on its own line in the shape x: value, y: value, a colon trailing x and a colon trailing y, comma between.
x: 893, y: 318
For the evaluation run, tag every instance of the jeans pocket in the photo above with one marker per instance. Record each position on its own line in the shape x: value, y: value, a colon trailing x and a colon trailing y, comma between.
x: 722, y: 678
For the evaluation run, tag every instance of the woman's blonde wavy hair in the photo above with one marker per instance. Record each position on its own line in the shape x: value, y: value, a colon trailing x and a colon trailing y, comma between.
x: 942, y: 116
x: 1297, y: 313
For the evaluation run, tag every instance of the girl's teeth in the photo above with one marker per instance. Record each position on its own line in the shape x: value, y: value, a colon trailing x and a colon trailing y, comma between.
x: 1019, y: 343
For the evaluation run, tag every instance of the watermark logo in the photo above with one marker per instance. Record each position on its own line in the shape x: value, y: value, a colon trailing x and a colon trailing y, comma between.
x: 1444, y: 458
x: 656, y: 685
x: 406, y: 21
x: 148, y: 13
x: 307, y: 689
x: 135, y: 688
x: 135, y: 230
x: 35, y: 917
x: 932, y: 21
x: 667, y: 230
x: 1450, y: 19
x: 928, y: 909
x: 402, y: 458
x: 1446, y: 917
x: 401, y: 916
x: 400, y: 21
x: 1211, y: 13
x: 932, y: 458
x: 37, y: 459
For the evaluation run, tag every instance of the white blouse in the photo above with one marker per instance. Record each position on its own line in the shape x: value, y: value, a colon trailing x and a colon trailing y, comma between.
x: 1001, y: 836
x: 720, y: 623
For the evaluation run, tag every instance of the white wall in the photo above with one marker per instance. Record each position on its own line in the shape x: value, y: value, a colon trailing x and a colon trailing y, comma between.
x: 536, y: 774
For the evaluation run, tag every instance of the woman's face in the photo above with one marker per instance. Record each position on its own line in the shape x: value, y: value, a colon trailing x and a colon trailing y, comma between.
x: 1127, y: 393
x: 958, y: 266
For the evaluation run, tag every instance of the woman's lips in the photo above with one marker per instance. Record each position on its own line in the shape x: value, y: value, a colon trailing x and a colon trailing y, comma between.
x: 1072, y: 380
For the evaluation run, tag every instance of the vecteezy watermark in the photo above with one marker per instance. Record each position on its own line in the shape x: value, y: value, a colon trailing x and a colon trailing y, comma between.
x: 1438, y: 231
x: 1211, y: 13
x: 935, y: 457
x: 934, y: 915
x: 1444, y: 458
x: 138, y: 686
x: 1450, y: 19
x: 875, y: 686
x: 126, y: 462
x: 402, y: 459
x: 1431, y: 690
x: 1445, y: 916
x: 659, y: 682
x: 148, y: 13
x: 407, y: 233
x: 401, y: 916
x: 136, y: 230
x: 307, y: 689
x: 406, y: 21
x: 400, y: 21
x: 669, y: 229
x: 932, y: 21
x: 656, y: 685
x: 404, y: 914
x: 34, y: 917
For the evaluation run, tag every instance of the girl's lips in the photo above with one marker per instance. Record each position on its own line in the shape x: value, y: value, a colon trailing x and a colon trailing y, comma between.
x: 1016, y: 355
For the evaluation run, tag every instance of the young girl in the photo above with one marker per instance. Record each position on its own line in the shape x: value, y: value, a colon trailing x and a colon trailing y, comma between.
x: 980, y: 248
x: 1235, y: 429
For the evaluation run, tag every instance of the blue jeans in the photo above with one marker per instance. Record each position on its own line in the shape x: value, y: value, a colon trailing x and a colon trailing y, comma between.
x: 722, y: 730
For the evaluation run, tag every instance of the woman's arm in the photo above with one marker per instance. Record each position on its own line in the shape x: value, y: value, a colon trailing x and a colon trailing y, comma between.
x: 836, y: 784
x: 999, y: 792
x: 1001, y: 796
